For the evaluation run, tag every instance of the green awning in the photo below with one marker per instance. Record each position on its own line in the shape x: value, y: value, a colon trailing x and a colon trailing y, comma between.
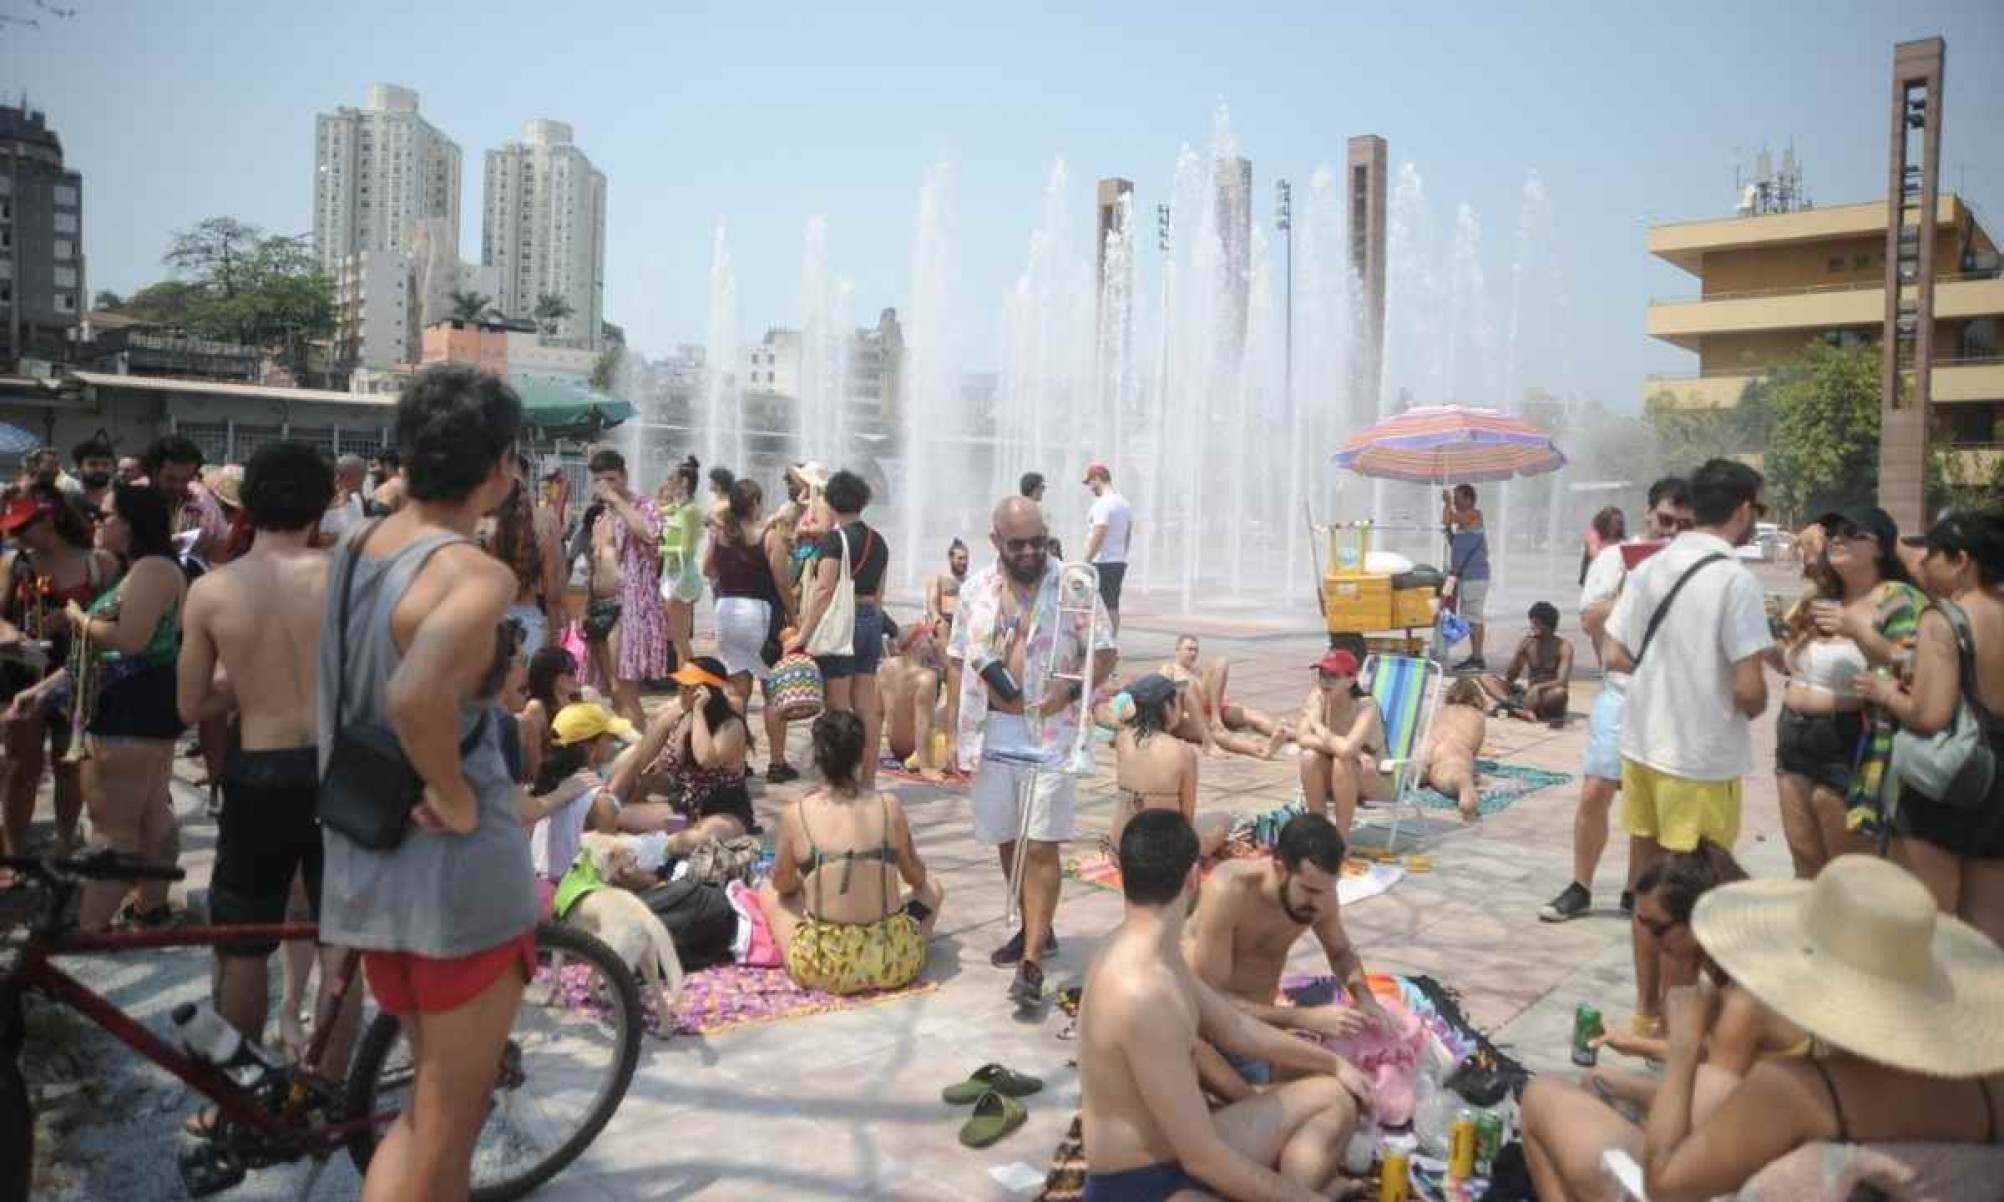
x: 554, y: 403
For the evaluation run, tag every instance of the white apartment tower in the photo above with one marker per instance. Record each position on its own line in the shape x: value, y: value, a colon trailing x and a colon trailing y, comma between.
x: 379, y: 171
x: 543, y: 229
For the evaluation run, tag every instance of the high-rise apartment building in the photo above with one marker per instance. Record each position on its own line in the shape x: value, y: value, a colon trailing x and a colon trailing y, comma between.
x: 378, y: 172
x: 41, y: 239
x: 543, y: 229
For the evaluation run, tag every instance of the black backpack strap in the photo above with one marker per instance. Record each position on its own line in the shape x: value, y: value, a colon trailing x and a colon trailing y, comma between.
x: 1965, y: 652
x: 1656, y: 619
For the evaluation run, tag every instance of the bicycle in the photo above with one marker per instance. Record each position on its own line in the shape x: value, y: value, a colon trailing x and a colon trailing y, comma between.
x: 548, y: 1104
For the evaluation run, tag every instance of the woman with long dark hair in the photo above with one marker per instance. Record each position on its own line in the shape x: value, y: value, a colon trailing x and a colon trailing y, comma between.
x: 695, y: 754
x: 745, y: 590
x: 53, y: 563
x: 841, y: 922
x: 1861, y: 609
x: 1154, y: 772
x: 132, y: 635
x: 552, y: 684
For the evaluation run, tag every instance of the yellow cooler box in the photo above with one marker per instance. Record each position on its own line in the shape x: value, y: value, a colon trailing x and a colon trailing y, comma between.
x: 1357, y: 602
x: 1413, y: 607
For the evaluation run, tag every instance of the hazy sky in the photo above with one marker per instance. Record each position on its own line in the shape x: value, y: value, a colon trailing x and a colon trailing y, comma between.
x: 767, y: 114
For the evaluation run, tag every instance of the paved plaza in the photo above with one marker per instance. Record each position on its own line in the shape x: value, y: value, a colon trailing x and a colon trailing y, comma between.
x: 847, y: 1104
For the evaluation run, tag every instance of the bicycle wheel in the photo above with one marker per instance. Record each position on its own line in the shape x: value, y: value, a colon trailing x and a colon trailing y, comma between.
x: 17, y: 1136
x: 564, y: 1069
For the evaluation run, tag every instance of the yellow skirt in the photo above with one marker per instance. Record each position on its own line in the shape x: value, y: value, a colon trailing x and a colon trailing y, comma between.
x: 844, y: 958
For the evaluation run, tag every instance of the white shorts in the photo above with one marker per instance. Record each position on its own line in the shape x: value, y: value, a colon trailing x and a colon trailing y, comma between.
x: 997, y: 792
x: 741, y: 630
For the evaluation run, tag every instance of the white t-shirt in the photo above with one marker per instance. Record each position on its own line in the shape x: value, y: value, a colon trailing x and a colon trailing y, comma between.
x: 1680, y: 717
x: 1603, y: 582
x: 554, y: 842
x: 1110, y: 509
x: 338, y: 520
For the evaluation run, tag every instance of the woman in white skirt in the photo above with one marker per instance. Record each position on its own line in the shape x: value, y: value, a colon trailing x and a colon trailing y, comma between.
x: 742, y: 580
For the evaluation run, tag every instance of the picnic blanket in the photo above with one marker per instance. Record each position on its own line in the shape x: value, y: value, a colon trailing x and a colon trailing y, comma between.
x: 730, y: 996
x: 1480, y: 1066
x: 1501, y: 786
x: 1360, y: 879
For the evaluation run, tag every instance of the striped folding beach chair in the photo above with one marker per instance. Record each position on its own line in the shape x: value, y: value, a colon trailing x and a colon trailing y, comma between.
x: 1408, y: 692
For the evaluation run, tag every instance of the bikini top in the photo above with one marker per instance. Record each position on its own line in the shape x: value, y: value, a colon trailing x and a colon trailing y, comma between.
x: 1844, y: 1126
x: 883, y: 853
x: 1828, y: 665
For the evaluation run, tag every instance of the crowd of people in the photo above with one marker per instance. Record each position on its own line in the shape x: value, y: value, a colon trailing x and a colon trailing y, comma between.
x: 311, y: 621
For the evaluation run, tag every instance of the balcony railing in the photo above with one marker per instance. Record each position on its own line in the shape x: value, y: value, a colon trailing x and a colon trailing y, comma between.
x: 1720, y: 373
x: 1814, y: 289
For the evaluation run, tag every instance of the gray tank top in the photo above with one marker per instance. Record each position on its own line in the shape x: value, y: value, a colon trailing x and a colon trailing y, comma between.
x: 433, y: 895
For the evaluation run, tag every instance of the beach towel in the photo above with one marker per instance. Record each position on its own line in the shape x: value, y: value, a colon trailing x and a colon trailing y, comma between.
x: 1501, y: 786
x: 730, y: 996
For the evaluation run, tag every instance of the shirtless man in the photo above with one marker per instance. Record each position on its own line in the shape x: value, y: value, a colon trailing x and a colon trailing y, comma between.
x: 1249, y: 916
x: 908, y: 684
x: 941, y: 604
x: 626, y: 623
x: 388, y: 495
x: 249, y: 646
x: 1148, y: 1133
x: 1544, y: 666
x: 1453, y: 744
x: 1211, y: 721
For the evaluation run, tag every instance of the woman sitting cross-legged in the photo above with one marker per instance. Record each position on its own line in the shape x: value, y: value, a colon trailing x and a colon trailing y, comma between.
x: 1904, y: 1074
x: 833, y: 899
x: 1154, y: 772
x: 695, y: 755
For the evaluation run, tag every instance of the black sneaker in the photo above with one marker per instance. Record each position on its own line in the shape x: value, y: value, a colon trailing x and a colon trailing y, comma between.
x: 779, y: 774
x: 1028, y: 987
x: 1012, y: 951
x: 1473, y: 663
x: 1628, y: 902
x: 1568, y: 905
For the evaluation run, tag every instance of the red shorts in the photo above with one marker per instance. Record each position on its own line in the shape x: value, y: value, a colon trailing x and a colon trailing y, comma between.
x: 406, y: 983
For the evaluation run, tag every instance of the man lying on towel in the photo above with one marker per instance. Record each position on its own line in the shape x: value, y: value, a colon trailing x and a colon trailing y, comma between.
x: 1249, y: 915
x: 1145, y: 1015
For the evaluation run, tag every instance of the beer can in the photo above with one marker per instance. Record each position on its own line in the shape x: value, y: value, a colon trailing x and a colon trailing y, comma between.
x: 1586, y: 1028
x: 1394, y: 1175
x: 1488, y: 1141
x: 1461, y: 1139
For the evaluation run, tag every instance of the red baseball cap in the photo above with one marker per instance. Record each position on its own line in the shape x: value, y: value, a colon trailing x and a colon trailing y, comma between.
x: 1338, y: 662
x: 19, y: 511
x: 1097, y: 469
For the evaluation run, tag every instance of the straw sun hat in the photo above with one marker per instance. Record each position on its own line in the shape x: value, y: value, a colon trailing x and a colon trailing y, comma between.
x: 1860, y: 959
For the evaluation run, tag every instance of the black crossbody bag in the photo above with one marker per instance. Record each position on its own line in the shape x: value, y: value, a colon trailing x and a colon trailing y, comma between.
x: 1663, y: 610
x: 369, y: 788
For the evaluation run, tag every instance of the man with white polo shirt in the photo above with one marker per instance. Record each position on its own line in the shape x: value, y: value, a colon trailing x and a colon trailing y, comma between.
x: 1110, y: 532
x: 1600, y: 769
x: 1690, y: 630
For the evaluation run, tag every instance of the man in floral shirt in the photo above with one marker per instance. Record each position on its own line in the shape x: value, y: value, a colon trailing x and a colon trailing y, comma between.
x: 1017, y: 719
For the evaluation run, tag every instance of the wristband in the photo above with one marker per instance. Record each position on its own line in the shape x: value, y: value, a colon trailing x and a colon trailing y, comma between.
x: 997, y: 677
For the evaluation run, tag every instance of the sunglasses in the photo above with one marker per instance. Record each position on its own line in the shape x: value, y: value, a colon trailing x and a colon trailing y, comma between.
x: 1016, y: 546
x: 1848, y: 534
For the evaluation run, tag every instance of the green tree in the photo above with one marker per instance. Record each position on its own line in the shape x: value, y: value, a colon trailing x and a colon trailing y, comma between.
x: 107, y: 300
x: 469, y: 304
x: 612, y: 335
x: 1822, y: 452
x: 165, y: 303
x: 551, y: 309
x: 605, y: 369
x: 254, y: 288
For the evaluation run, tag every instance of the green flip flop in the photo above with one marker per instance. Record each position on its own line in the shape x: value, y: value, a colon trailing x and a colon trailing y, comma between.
x: 1005, y: 1081
x: 995, y: 1115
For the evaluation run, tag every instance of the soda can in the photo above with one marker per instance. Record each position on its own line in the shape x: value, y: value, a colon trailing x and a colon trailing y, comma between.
x: 1394, y: 1175
x: 1488, y: 1141
x: 1461, y: 1140
x: 1586, y: 1028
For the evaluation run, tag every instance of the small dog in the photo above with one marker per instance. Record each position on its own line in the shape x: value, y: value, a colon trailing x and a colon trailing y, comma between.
x: 624, y: 923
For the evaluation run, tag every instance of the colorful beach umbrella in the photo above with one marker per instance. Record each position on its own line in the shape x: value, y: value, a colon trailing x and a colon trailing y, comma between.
x: 16, y: 441
x: 1442, y: 444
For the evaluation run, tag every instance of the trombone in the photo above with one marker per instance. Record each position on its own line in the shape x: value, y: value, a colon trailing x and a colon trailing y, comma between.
x: 83, y: 696
x: 1080, y: 611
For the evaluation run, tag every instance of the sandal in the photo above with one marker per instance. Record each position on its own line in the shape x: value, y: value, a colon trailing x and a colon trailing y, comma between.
x: 995, y: 1115
x: 989, y: 1078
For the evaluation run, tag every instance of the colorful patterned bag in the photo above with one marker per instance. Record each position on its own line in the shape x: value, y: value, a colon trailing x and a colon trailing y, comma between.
x: 793, y: 688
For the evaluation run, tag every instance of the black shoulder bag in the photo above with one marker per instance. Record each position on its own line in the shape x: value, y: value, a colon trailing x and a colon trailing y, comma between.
x: 1656, y: 619
x: 369, y: 788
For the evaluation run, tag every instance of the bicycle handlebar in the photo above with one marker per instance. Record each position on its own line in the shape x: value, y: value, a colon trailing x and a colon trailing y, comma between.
x: 95, y: 866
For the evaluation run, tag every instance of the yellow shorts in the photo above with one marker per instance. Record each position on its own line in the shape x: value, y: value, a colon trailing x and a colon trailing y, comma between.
x: 1676, y: 812
x: 844, y: 958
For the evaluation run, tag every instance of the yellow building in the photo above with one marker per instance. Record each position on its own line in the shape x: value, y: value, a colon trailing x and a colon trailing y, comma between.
x: 1770, y: 283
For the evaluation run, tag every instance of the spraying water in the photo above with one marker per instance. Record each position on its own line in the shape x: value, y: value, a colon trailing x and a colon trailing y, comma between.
x: 722, y: 413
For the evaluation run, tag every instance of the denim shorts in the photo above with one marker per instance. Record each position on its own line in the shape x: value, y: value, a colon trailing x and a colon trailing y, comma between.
x: 868, y: 649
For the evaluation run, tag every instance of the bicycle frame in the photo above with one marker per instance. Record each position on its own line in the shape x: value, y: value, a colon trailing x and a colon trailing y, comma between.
x: 36, y: 972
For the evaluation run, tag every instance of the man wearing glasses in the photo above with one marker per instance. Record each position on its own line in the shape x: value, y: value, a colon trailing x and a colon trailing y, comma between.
x: 1690, y: 629
x: 1018, y: 722
x: 1600, y: 771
